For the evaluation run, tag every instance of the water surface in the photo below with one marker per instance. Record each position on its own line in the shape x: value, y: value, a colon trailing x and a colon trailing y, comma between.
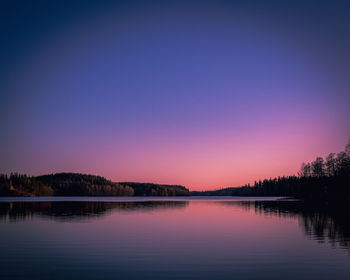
x: 172, y: 238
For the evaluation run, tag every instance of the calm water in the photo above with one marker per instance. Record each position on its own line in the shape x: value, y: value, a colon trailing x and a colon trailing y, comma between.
x: 156, y: 238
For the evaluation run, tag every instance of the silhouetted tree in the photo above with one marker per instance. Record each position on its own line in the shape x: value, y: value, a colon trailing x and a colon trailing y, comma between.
x: 347, y: 148
x: 343, y: 163
x: 317, y: 167
x: 305, y: 170
x: 331, y: 164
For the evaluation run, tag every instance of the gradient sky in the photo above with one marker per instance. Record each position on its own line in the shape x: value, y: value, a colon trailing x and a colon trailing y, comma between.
x: 205, y: 94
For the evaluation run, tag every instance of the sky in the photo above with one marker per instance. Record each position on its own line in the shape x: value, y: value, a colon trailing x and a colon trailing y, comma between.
x: 206, y: 94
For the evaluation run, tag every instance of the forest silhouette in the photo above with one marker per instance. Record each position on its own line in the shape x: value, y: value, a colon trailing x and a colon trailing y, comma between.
x: 75, y: 184
x: 322, y: 179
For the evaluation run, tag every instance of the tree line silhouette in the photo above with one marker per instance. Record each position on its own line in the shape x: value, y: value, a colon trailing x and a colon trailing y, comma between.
x: 322, y: 179
x: 75, y: 184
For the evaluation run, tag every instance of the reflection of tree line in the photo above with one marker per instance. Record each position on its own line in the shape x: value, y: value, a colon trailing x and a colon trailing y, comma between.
x: 319, y: 221
x: 62, y: 211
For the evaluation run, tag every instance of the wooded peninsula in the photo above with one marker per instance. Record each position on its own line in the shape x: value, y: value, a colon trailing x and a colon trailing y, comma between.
x: 75, y: 184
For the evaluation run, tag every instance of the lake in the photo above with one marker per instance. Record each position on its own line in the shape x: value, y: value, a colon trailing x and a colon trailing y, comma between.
x: 173, y: 238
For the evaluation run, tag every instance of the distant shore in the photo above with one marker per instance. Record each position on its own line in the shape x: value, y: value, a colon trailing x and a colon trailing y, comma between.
x: 76, y: 184
x: 134, y: 198
x: 321, y: 180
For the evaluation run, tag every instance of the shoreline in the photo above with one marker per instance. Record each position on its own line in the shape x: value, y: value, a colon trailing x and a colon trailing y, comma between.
x: 138, y: 198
